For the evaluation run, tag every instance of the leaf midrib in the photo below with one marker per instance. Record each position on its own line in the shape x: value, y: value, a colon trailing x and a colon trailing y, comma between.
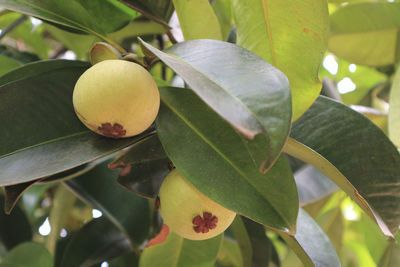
x: 44, y: 143
x: 269, y: 31
x: 238, y: 100
x: 191, y: 126
x: 178, y: 251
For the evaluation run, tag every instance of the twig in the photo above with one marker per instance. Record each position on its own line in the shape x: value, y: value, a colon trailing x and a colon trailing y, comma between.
x: 12, y: 26
x: 171, y: 37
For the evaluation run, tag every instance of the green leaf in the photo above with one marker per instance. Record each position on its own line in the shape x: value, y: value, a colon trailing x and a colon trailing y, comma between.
x: 229, y: 78
x: 379, y: 118
x: 312, y: 185
x: 334, y: 134
x: 31, y: 35
x: 229, y: 255
x: 138, y: 27
x: 239, y: 231
x: 63, y: 203
x: 365, y: 78
x: 156, y: 10
x: 98, y: 241
x: 222, y: 164
x: 127, y: 211
x: 264, y: 253
x: 365, y: 232
x: 7, y: 64
x: 31, y: 198
x: 223, y: 11
x: 391, y: 258
x: 13, y: 193
x: 14, y: 228
x: 332, y: 223
x: 292, y: 36
x: 28, y: 254
x: 394, y: 110
x: 127, y: 260
x: 366, y: 33
x: 197, y: 20
x: 177, y: 251
x: 33, y: 69
x: 79, y: 43
x: 311, y: 244
x: 97, y: 18
x: 20, y: 56
x: 44, y: 137
x: 144, y: 167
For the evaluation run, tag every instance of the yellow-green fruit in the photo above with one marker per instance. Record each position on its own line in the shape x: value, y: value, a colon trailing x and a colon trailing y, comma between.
x: 116, y: 98
x: 188, y: 212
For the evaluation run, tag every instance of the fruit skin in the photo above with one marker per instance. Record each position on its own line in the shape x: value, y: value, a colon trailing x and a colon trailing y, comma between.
x: 181, y: 203
x: 116, y: 98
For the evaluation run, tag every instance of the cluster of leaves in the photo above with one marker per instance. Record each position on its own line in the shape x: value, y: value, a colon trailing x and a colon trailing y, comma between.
x: 249, y: 129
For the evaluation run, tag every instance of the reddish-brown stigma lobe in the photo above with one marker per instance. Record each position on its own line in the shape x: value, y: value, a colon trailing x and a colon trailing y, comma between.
x: 114, y: 131
x: 204, y: 224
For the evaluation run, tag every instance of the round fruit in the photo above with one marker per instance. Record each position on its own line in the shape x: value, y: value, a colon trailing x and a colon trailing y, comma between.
x: 116, y: 98
x: 188, y: 212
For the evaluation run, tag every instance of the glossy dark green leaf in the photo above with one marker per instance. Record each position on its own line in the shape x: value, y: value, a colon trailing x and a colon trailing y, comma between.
x: 127, y: 260
x: 29, y: 254
x: 69, y: 174
x: 177, y: 251
x: 13, y: 193
x: 144, y: 167
x: 246, y: 91
x: 98, y: 241
x: 222, y: 164
x: 89, y: 16
x: 264, y: 252
x: 292, y: 36
x: 158, y: 10
x: 366, y: 33
x: 359, y: 150
x: 44, y: 137
x: 33, y: 69
x: 129, y: 212
x: 311, y: 244
x: 14, y: 228
x: 312, y: 185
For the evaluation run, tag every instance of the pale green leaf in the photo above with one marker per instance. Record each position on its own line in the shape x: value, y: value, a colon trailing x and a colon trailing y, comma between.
x: 366, y: 33
x: 197, y: 19
x: 177, y: 251
x: 292, y: 36
x: 394, y: 111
